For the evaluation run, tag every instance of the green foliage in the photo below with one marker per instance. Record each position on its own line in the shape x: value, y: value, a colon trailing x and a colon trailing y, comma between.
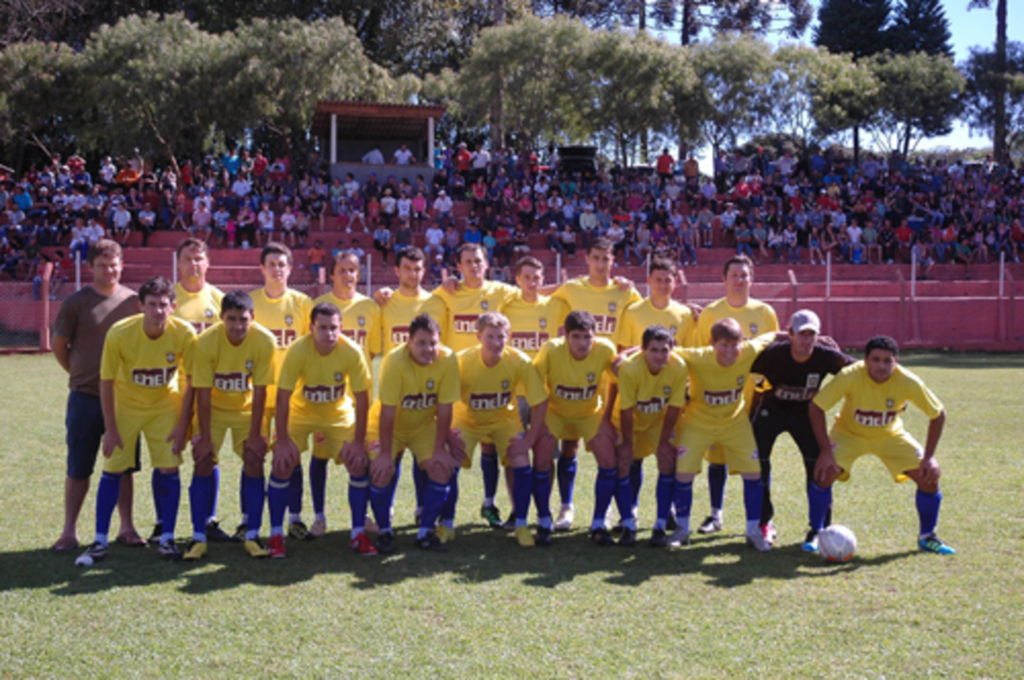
x: 982, y: 91
x: 38, y: 87
x: 921, y: 26
x: 856, y: 27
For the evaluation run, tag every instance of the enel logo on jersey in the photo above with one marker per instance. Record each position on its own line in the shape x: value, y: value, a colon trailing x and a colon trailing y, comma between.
x: 323, y: 394
x: 153, y: 377
x: 488, y: 401
x: 605, y: 324
x: 527, y: 342
x: 399, y: 334
x: 419, y: 402
x: 358, y: 336
x: 723, y: 397
x: 875, y: 418
x: 465, y: 323
x: 575, y: 393
x: 231, y: 382
x: 654, y: 405
x: 284, y: 336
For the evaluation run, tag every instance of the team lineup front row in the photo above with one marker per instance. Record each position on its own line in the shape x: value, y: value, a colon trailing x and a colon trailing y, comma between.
x: 310, y: 391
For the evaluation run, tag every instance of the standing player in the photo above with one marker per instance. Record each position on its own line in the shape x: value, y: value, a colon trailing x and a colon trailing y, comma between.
x: 284, y: 312
x: 317, y: 375
x: 141, y: 386
x: 652, y: 394
x: 717, y: 414
x: 575, y: 370
x: 794, y: 368
x: 605, y: 299
x: 82, y: 324
x: 232, y: 366
x: 419, y: 383
x: 755, y: 317
x: 491, y: 374
x: 874, y: 392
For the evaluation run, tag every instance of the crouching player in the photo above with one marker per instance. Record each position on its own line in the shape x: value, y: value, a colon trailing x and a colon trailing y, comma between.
x: 419, y: 383
x: 652, y: 394
x: 874, y: 392
x: 717, y: 414
x: 492, y: 373
x: 142, y: 381
x: 319, y: 372
x: 232, y: 366
x: 575, y: 370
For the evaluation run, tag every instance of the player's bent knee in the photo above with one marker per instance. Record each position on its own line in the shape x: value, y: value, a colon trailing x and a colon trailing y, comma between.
x: 685, y: 477
x: 519, y: 461
x: 357, y: 469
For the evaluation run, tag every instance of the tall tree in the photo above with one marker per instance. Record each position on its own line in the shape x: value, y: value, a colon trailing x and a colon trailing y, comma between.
x: 921, y: 26
x: 984, y: 83
x: 999, y: 95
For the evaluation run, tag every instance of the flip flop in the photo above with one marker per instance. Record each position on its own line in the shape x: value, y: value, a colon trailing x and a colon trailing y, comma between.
x: 61, y: 546
x: 134, y: 541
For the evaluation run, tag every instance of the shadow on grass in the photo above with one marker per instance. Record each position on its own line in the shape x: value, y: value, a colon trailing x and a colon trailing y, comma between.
x: 479, y: 555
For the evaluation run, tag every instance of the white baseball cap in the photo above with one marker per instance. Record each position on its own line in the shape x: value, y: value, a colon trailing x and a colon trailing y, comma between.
x: 804, y: 320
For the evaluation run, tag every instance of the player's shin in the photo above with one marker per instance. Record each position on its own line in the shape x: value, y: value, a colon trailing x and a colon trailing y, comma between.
x: 155, y: 480
x: 819, y: 500
x: 253, y: 492
x: 624, y: 502
x: 106, y: 501
x: 434, y: 496
x: 753, y: 494
x: 489, y: 468
x: 928, y: 510
x: 295, y: 495
x: 170, y: 490
x: 522, y: 489
x: 604, y: 489
x: 277, y: 500
x: 448, y: 511
x: 420, y: 479
x: 380, y: 501
x: 214, y: 494
x: 717, y: 475
x: 358, y: 498
x: 542, y: 497
x: 683, y: 498
x: 566, y: 479
x: 636, y: 482
x: 318, y: 485
x: 243, y: 500
x: 663, y: 499
x: 393, y: 491
x: 199, y: 497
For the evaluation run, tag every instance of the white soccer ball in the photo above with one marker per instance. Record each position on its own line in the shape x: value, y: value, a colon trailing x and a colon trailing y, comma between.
x: 837, y: 543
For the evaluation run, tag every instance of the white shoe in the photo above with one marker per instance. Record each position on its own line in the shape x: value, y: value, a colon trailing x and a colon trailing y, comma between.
x: 758, y: 541
x: 679, y: 538
x: 565, y: 518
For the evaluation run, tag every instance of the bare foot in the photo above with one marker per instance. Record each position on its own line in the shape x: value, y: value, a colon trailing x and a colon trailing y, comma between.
x: 65, y: 543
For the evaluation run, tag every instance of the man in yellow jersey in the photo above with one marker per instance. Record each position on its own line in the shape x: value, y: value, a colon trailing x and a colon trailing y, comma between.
x: 142, y: 380
x: 755, y: 317
x: 717, y: 414
x: 419, y: 384
x: 323, y: 373
x: 491, y: 374
x: 232, y: 366
x: 874, y: 392
x: 657, y: 309
x: 605, y: 298
x: 285, y: 313
x: 575, y: 370
x: 651, y: 395
x: 197, y: 302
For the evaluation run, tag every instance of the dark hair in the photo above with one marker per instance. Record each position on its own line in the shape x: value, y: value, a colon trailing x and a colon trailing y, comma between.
x: 600, y: 243
x: 579, y: 320
x: 528, y: 261
x: 466, y: 247
x: 324, y: 308
x: 737, y: 259
x: 275, y: 248
x: 424, y: 322
x: 192, y: 242
x: 411, y: 253
x: 882, y: 342
x: 664, y: 264
x: 104, y: 246
x: 158, y: 286
x: 237, y: 299
x: 726, y: 329
x: 657, y: 333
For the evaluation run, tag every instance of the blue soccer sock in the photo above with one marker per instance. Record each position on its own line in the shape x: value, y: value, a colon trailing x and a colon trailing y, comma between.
x: 663, y: 499
x: 819, y: 500
x: 155, y: 478
x: 199, y: 492
x: 170, y: 488
x: 242, y: 501
x: 295, y: 495
x: 567, y: 479
x: 928, y: 510
x: 753, y: 496
x: 448, y: 511
x: 393, y: 489
x: 277, y: 500
x: 717, y: 474
x: 380, y: 501
x: 489, y: 468
x: 214, y: 494
x: 624, y: 502
x: 420, y: 479
x: 636, y: 481
x: 683, y: 498
x: 254, y: 494
x: 358, y: 498
x: 106, y: 501
x: 542, y: 497
x: 434, y: 496
x: 522, y: 490
x: 318, y: 484
x: 604, y: 489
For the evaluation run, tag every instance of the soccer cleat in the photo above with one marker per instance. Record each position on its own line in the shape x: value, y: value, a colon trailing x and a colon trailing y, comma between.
x: 679, y: 538
x: 810, y: 543
x: 658, y: 539
x: 255, y: 548
x: 757, y: 540
x: 362, y: 545
x: 170, y: 551
x: 710, y: 525
x: 431, y: 543
x: 196, y: 550
x: 275, y: 546
x: 157, y: 535
x: 215, y: 534
x: 445, y: 534
x: 318, y: 529
x: 524, y: 537
x: 565, y: 518
x: 492, y: 515
x: 769, y: 532
x: 601, y: 537
x: 510, y: 523
x: 543, y: 537
x: 628, y: 538
x: 298, y: 530
x: 386, y: 543
x: 933, y: 544
x: 240, y: 533
x: 97, y: 552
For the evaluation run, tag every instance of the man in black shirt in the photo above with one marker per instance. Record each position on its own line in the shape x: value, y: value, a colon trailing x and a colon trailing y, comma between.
x: 794, y: 369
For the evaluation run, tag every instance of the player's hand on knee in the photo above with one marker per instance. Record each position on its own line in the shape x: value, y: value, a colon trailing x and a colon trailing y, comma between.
x: 457, y: 446
x: 666, y: 456
x: 441, y: 465
x: 178, y: 437
x: 518, y: 451
x: 255, y: 445
x: 930, y: 472
x: 826, y: 470
x: 353, y: 455
x: 286, y: 454
x: 382, y: 471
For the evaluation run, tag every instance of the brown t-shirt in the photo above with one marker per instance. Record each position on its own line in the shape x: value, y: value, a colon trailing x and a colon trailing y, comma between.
x: 84, y: 319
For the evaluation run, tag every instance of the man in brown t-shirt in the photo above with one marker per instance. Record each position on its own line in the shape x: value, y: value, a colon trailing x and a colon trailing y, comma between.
x: 82, y: 325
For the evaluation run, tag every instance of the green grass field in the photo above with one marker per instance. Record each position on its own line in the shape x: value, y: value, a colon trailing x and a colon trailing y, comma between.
x: 490, y: 609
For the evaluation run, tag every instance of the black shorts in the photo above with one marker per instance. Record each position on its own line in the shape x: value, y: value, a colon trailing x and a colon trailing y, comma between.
x: 85, y: 428
x: 770, y: 419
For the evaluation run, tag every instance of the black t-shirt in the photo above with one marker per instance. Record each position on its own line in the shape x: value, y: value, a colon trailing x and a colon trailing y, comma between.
x: 794, y: 384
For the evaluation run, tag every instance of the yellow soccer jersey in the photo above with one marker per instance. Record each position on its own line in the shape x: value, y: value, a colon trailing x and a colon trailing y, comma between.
x: 322, y: 385
x: 755, y: 318
x: 401, y: 310
x: 201, y: 309
x: 465, y: 306
x: 488, y: 392
x: 647, y: 394
x: 717, y: 394
x: 416, y: 391
x: 360, y: 321
x: 574, y: 387
x: 146, y: 371
x: 639, y: 316
x: 872, y: 410
x: 231, y: 371
x: 605, y: 304
x: 533, y: 323
x: 286, y: 317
